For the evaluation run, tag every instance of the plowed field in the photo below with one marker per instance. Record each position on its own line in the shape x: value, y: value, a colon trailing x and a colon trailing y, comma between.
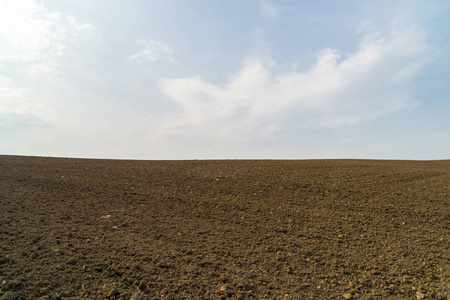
x: 250, y: 229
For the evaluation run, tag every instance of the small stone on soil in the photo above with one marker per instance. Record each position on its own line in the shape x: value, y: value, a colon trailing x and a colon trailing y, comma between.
x: 419, y: 295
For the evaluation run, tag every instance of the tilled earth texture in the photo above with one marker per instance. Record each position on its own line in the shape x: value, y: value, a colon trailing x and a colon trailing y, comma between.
x: 250, y: 229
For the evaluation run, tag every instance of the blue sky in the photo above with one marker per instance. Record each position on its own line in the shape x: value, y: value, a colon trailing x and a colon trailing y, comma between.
x: 192, y: 79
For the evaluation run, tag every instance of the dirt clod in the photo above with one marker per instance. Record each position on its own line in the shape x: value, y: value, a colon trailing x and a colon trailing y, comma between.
x: 347, y: 296
x: 11, y: 296
x: 137, y: 296
x: 420, y: 295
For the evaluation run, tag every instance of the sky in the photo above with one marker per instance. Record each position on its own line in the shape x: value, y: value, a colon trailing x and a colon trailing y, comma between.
x: 256, y: 79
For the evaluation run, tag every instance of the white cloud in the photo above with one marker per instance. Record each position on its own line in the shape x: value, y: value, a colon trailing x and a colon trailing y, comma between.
x: 19, y: 101
x: 32, y: 39
x: 153, y: 51
x: 29, y: 33
x: 337, y: 91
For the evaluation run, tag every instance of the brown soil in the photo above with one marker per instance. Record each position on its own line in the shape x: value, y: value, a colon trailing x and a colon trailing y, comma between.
x: 321, y: 229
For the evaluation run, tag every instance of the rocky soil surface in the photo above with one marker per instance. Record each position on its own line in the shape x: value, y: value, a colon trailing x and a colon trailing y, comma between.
x: 250, y: 229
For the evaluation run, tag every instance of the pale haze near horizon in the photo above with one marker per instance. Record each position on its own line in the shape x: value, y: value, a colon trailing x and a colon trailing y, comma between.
x: 225, y: 79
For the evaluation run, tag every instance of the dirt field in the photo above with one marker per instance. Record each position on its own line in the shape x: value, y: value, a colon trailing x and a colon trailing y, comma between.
x: 321, y: 229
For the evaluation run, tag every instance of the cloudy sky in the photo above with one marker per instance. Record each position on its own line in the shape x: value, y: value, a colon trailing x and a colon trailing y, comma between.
x: 191, y: 79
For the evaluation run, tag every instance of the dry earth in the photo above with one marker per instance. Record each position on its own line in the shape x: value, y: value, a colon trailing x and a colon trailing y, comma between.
x: 292, y: 229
